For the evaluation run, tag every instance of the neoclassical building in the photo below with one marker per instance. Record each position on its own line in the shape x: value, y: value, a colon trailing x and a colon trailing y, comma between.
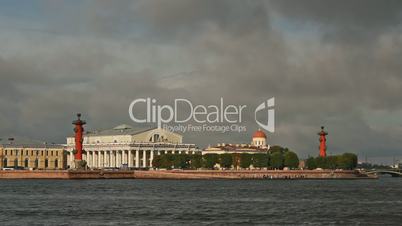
x: 258, y: 145
x: 124, y: 146
x: 18, y: 152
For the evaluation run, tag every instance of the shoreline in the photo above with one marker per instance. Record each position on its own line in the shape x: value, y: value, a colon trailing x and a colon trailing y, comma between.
x: 188, y: 174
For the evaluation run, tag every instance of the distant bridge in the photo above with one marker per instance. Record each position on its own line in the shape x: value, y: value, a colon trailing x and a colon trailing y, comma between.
x: 392, y: 172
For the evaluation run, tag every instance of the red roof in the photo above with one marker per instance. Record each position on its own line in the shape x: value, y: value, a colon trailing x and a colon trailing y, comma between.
x: 259, y: 134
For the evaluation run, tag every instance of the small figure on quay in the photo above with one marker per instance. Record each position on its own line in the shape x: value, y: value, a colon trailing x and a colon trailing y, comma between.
x: 323, y: 140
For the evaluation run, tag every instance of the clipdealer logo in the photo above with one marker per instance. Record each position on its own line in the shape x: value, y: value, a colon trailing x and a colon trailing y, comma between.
x: 210, y: 118
x: 269, y: 107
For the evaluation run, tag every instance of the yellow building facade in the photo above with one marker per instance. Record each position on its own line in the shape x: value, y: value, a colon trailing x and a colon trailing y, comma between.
x: 31, y: 154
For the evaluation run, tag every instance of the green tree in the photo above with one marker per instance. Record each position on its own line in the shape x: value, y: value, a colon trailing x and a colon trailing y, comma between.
x: 226, y: 160
x: 196, y: 161
x: 311, y: 163
x: 236, y: 160
x: 347, y: 161
x: 181, y: 161
x: 157, y: 161
x: 260, y: 160
x: 344, y: 161
x: 245, y: 160
x: 276, y: 160
x: 276, y: 148
x: 291, y: 160
x: 332, y: 162
x: 166, y: 161
x: 209, y: 160
x: 321, y: 162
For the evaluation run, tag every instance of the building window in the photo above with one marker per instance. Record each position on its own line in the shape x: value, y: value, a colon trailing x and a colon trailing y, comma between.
x: 51, y: 153
x: 36, y: 163
x: 5, y: 163
x: 16, y: 152
x: 41, y: 153
x: 6, y: 152
x: 46, y: 163
x: 37, y: 153
x: 26, y: 152
x: 31, y: 152
x: 26, y: 163
x: 56, y: 164
x: 15, y: 162
x: 11, y: 152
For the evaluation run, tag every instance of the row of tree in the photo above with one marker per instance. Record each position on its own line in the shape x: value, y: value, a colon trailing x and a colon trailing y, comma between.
x: 277, y: 159
x: 344, y: 161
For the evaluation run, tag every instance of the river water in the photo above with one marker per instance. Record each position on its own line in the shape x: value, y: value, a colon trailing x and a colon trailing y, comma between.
x: 201, y: 202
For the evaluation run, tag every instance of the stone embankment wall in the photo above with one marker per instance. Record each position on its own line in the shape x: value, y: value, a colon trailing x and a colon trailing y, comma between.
x: 183, y: 174
x: 65, y: 174
x: 251, y: 174
x: 34, y: 174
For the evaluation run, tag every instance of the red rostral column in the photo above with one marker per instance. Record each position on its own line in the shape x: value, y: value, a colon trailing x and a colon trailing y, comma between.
x: 323, y: 140
x: 78, y: 130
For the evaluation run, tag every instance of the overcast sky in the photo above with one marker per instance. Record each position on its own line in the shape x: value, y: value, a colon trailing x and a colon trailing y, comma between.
x: 332, y: 63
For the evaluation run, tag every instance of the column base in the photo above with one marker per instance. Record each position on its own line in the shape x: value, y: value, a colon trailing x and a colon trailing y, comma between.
x: 80, y: 164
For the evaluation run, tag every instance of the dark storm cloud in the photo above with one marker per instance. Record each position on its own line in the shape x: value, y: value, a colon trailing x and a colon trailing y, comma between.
x: 345, y: 20
x: 160, y: 20
x: 239, y: 17
x: 101, y: 55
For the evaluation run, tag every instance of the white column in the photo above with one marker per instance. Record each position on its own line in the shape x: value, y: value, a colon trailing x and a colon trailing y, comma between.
x: 108, y: 159
x: 112, y: 161
x: 72, y: 159
x: 137, y: 158
x: 151, y: 158
x: 124, y: 159
x: 119, y: 155
x: 69, y: 159
x: 144, y: 158
x: 130, y: 159
x: 93, y: 159
x: 111, y: 158
x: 105, y: 159
x: 89, y: 158
x: 99, y: 159
x: 116, y: 158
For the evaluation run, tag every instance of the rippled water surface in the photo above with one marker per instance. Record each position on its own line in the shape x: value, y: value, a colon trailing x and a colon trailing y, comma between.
x: 201, y: 202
